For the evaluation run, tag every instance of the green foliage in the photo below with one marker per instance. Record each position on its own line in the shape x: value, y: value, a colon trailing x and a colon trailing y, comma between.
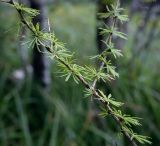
x: 109, y: 100
x: 91, y: 73
x: 114, y: 12
x: 86, y: 75
x: 29, y: 11
x: 113, y: 31
x: 128, y: 120
x: 140, y: 138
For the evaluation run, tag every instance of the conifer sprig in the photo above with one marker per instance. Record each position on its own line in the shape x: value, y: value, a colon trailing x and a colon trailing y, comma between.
x: 85, y: 75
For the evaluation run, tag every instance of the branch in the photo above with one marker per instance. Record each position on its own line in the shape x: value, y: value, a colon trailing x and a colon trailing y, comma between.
x: 96, y: 93
x: 102, y: 64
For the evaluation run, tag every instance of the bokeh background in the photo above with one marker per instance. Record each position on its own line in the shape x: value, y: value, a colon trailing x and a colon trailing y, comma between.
x: 32, y: 114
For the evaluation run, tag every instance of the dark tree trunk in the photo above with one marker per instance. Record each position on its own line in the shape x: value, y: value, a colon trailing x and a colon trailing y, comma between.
x: 40, y: 62
x: 40, y: 67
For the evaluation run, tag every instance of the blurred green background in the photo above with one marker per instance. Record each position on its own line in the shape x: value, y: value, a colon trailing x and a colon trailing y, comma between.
x: 31, y: 116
